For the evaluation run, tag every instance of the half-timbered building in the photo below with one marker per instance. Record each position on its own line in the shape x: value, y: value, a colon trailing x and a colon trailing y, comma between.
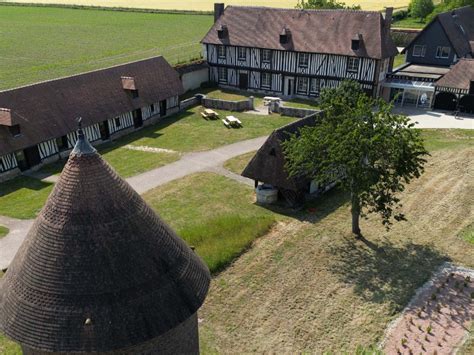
x: 290, y: 52
x: 37, y: 122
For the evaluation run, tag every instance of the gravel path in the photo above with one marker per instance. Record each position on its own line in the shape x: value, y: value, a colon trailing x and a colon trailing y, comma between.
x: 190, y: 163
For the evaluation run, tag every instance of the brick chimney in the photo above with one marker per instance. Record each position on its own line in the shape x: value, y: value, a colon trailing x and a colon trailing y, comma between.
x: 218, y: 10
x: 388, y: 19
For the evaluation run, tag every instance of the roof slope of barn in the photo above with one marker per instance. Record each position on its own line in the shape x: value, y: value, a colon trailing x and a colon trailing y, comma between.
x: 99, y: 270
x: 316, y: 31
x: 459, y: 30
x: 268, y: 164
x: 49, y: 109
x: 460, y: 76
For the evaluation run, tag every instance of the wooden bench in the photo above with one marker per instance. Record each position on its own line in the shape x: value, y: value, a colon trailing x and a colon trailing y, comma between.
x: 204, y: 116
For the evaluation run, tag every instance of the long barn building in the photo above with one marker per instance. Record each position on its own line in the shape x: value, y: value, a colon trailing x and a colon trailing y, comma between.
x: 38, y: 122
x: 289, y: 52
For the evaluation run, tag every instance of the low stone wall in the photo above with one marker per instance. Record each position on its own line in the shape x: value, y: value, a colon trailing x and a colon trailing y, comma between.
x: 192, y: 101
x: 243, y: 105
x: 294, y: 111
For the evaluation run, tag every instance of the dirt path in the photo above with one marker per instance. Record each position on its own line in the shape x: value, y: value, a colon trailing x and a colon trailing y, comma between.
x: 311, y: 287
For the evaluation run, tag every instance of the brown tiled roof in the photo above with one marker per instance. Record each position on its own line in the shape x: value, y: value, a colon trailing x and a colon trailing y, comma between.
x: 99, y: 270
x: 317, y: 31
x: 459, y: 28
x: 460, y: 76
x: 48, y: 110
x: 268, y: 164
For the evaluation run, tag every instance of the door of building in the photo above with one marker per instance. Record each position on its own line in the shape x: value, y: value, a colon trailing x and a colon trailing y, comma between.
x: 445, y: 101
x: 289, y: 86
x: 137, y: 118
x: 104, y: 130
x: 243, y: 81
x: 28, y: 158
x: 163, y: 108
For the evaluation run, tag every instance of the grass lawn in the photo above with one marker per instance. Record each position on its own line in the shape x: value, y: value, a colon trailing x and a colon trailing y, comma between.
x: 238, y: 164
x: 301, y: 103
x: 127, y: 162
x: 308, y: 286
x: 409, y: 22
x: 219, y: 230
x: 207, y: 5
x: 23, y: 197
x: 468, y: 234
x: 189, y: 132
x: 3, y: 231
x: 399, y: 60
x: 46, y: 43
x: 436, y: 139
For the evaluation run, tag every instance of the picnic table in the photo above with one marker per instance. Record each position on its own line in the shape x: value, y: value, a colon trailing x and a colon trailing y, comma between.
x: 208, y: 113
x: 269, y: 99
x: 232, y: 121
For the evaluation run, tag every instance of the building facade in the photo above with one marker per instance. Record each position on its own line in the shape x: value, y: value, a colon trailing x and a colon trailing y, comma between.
x: 37, y: 122
x: 448, y: 38
x: 296, y: 53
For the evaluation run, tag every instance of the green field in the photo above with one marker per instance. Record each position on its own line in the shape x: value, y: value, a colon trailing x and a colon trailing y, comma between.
x: 45, y: 43
x: 207, y: 5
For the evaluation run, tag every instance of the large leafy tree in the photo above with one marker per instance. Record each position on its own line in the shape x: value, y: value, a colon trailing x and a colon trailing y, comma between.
x: 421, y: 8
x: 359, y: 143
x: 324, y: 4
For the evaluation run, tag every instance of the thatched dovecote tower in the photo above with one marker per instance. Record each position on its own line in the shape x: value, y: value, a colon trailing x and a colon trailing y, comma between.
x: 100, y: 272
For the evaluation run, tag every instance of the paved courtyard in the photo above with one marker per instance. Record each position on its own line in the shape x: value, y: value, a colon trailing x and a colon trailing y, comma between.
x: 436, y: 119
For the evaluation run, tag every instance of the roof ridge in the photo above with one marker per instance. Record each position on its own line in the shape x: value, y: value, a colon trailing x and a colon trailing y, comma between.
x: 79, y: 74
x: 304, y: 10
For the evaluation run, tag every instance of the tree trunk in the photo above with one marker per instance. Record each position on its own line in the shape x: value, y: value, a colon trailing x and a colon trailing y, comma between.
x: 355, y: 210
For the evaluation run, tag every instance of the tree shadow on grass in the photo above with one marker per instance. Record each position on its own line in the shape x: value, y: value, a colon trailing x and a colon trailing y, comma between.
x: 22, y: 182
x: 384, y: 272
x: 314, y: 210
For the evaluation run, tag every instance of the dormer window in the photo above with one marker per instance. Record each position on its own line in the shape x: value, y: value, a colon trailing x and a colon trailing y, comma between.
x: 130, y: 86
x: 356, y: 42
x: 15, y: 130
x: 285, y: 36
x: 222, y: 32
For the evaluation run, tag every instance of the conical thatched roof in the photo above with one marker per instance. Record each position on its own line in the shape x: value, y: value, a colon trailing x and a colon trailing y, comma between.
x: 99, y: 270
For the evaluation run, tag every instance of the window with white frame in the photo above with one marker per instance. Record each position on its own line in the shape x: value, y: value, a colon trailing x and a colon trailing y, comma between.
x: 303, y: 60
x: 419, y: 50
x: 222, y: 74
x: 241, y: 54
x: 314, y: 85
x: 266, y: 56
x: 353, y: 64
x: 443, y: 52
x: 266, y: 80
x: 302, y: 85
x: 221, y: 52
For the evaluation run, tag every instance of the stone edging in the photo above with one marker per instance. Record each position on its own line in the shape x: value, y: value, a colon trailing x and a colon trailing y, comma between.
x: 446, y: 267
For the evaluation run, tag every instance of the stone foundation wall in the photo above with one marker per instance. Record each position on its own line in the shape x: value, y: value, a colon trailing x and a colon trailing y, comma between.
x: 243, y: 105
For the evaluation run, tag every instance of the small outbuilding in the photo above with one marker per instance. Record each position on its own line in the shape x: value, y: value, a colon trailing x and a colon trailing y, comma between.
x: 100, y: 272
x: 268, y: 164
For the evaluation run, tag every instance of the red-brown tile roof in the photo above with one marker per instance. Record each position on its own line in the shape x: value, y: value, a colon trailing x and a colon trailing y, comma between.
x: 48, y: 110
x: 99, y: 270
x: 317, y: 31
x: 460, y: 76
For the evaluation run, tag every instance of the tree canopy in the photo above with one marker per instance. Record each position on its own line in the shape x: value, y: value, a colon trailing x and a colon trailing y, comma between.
x: 325, y: 4
x: 421, y: 8
x: 371, y: 152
